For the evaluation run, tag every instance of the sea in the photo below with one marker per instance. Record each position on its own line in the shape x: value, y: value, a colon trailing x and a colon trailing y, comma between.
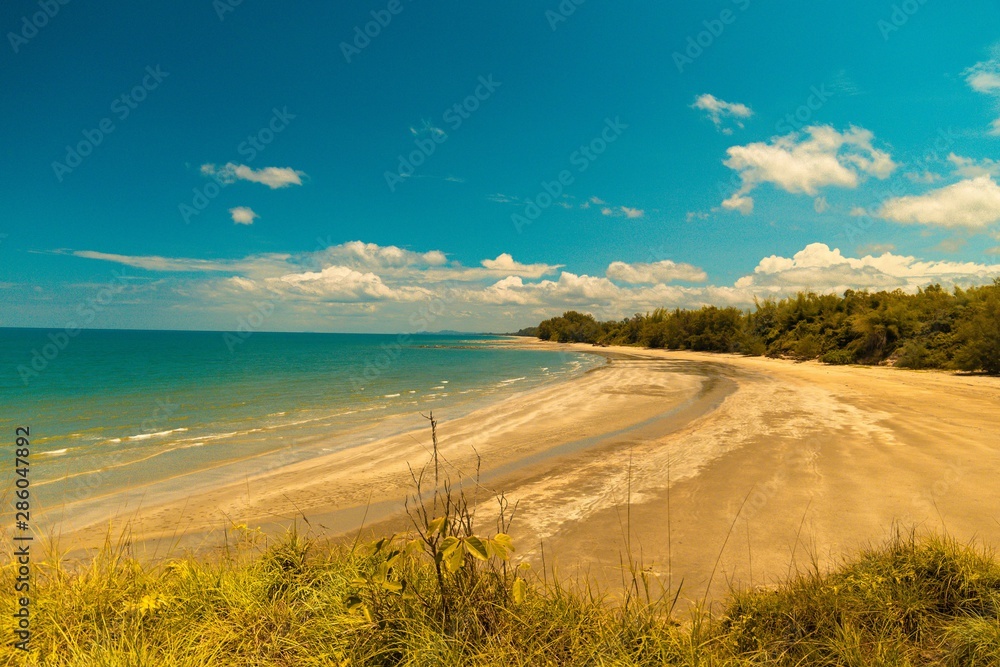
x: 114, y: 410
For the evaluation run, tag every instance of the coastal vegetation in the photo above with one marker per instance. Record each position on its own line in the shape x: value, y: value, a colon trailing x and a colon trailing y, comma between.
x: 932, y: 328
x: 297, y: 601
x: 448, y: 592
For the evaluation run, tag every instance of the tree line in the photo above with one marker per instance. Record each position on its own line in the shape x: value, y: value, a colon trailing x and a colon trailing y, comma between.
x: 933, y: 328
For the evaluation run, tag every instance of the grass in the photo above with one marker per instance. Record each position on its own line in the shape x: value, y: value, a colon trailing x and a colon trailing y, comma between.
x: 911, y: 601
x: 445, y: 594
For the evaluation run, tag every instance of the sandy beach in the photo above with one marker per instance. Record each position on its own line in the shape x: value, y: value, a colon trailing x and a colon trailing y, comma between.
x: 747, y: 467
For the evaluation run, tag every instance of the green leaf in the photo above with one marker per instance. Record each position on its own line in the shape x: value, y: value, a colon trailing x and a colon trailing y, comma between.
x: 476, y: 547
x: 519, y: 590
x: 503, y: 546
x: 378, y: 546
x: 392, y: 586
x: 454, y: 558
x: 437, y: 525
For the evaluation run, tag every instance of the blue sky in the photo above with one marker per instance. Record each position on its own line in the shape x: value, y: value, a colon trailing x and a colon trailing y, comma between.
x: 244, y: 160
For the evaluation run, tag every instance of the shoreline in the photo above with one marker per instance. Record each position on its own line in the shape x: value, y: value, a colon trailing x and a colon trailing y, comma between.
x: 757, y: 463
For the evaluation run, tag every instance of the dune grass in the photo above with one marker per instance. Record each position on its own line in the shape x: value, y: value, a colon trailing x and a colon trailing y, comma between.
x: 446, y: 594
x: 910, y: 601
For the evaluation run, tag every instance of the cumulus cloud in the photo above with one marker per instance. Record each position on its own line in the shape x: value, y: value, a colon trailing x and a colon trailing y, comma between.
x: 656, y: 272
x: 719, y: 111
x: 393, y: 288
x: 372, y: 255
x: 504, y: 263
x: 804, y: 162
x: 341, y: 283
x: 972, y: 203
x: 971, y: 168
x: 243, y: 215
x: 272, y: 177
x: 818, y: 267
x: 984, y: 77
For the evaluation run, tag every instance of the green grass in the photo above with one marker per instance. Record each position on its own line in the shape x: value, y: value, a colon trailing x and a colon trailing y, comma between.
x: 445, y: 594
x: 911, y: 601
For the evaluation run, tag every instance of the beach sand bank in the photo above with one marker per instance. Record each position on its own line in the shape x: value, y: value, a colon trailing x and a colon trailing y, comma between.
x: 769, y: 463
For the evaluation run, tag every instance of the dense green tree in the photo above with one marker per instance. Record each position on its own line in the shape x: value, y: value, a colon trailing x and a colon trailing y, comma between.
x: 933, y: 328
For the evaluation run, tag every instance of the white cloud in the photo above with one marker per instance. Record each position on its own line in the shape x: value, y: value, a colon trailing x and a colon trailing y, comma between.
x: 505, y: 264
x: 922, y: 176
x: 819, y: 268
x: 820, y: 205
x: 657, y: 272
x: 364, y: 286
x: 984, y: 78
x: 804, y: 163
x: 340, y: 283
x: 243, y: 215
x: 973, y: 203
x: 739, y: 203
x: 372, y: 255
x: 719, y: 111
x: 626, y: 211
x: 427, y: 128
x: 971, y: 168
x: 272, y: 177
x: 155, y: 262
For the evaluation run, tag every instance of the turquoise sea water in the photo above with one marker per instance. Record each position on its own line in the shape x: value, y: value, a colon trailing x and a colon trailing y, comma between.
x: 116, y: 409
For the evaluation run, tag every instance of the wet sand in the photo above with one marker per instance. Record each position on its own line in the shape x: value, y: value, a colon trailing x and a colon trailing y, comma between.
x: 745, y: 466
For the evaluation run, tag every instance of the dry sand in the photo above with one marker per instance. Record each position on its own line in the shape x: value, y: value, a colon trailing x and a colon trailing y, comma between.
x: 768, y: 464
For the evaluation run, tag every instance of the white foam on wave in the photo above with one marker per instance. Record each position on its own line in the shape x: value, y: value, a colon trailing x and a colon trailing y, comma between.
x: 158, y: 434
x: 390, y: 396
x: 54, y: 452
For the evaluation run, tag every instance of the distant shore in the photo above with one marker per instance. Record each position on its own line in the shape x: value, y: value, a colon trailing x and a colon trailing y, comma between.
x: 767, y: 462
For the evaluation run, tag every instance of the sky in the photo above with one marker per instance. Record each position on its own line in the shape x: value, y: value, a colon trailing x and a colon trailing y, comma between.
x: 406, y: 165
